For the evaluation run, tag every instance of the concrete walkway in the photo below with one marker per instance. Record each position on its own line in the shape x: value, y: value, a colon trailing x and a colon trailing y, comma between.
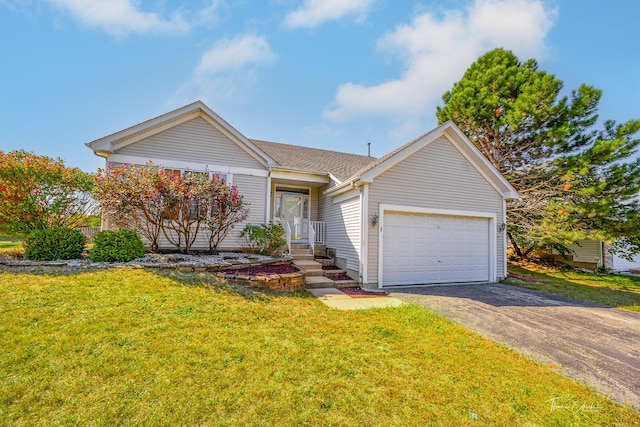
x: 333, y: 298
x: 594, y: 344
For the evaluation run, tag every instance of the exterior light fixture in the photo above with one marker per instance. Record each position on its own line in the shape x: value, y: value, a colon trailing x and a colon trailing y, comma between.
x: 373, y: 220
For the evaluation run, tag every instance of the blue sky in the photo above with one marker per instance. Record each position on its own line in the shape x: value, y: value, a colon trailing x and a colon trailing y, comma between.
x: 332, y: 74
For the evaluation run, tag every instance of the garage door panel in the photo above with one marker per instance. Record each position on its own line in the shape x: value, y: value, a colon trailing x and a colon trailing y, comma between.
x: 423, y: 249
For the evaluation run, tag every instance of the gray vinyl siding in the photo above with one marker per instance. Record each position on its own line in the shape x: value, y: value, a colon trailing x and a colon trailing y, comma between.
x: 194, y: 141
x: 437, y: 177
x: 254, y: 191
x: 586, y: 251
x: 343, y: 228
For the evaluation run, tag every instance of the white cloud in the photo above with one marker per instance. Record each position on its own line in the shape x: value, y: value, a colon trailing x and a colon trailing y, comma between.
x: 315, y: 12
x: 436, y: 51
x: 228, y: 69
x: 122, y: 17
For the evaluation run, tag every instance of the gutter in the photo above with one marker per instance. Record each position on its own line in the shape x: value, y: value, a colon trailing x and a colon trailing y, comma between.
x: 343, y: 188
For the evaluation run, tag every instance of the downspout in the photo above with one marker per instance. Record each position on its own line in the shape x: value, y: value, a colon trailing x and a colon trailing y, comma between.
x: 364, y: 239
x: 268, y: 204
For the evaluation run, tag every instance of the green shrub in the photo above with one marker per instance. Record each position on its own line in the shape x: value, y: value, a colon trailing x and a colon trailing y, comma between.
x: 266, y: 239
x: 116, y: 246
x: 54, y: 243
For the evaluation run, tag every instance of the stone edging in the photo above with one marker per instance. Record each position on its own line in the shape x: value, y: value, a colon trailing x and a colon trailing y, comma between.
x: 289, y: 282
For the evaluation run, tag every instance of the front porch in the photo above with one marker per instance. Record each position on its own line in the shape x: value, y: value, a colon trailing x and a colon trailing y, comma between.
x: 294, y: 202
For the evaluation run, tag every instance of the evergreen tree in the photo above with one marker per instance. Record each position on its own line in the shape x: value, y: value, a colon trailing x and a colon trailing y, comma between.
x: 577, y: 182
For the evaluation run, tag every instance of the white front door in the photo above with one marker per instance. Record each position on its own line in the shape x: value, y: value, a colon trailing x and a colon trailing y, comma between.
x: 294, y: 211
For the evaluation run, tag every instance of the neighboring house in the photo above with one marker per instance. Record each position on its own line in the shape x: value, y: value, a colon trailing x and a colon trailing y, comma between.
x: 597, y: 253
x: 432, y: 211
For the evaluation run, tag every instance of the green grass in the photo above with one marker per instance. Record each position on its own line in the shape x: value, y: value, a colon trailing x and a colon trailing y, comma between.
x: 609, y: 289
x: 9, y: 247
x: 130, y: 347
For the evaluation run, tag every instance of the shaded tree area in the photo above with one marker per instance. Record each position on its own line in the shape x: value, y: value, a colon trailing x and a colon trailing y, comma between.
x: 576, y: 181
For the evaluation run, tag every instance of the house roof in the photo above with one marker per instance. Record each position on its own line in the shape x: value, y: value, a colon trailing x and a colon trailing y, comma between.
x: 341, y: 165
x: 344, y: 167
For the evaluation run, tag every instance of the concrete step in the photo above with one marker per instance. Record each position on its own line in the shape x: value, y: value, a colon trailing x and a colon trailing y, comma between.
x: 307, y: 264
x: 315, y: 282
x: 344, y: 283
x: 325, y: 261
x: 301, y: 251
x: 314, y: 272
x: 295, y: 246
x: 330, y: 273
x: 306, y: 257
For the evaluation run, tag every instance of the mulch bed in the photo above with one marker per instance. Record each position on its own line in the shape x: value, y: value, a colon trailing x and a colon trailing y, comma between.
x: 330, y: 267
x: 264, y: 270
x: 357, y: 292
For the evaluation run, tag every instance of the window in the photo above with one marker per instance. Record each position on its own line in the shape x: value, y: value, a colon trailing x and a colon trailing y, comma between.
x: 278, y: 206
x: 194, y: 206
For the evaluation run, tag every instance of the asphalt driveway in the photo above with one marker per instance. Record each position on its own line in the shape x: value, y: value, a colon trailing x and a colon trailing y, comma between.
x: 594, y: 344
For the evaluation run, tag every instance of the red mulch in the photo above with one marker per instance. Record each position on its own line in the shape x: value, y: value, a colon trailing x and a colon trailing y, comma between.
x: 330, y: 267
x: 357, y: 292
x: 263, y: 270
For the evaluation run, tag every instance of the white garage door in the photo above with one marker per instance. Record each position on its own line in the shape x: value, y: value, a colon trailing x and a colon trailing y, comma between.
x: 423, y: 249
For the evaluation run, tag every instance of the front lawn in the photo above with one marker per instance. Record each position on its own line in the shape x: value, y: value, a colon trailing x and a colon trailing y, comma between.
x: 609, y: 289
x: 131, y: 347
x: 8, y: 247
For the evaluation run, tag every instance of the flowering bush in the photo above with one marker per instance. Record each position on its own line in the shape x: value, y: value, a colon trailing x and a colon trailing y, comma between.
x: 155, y: 200
x: 38, y: 192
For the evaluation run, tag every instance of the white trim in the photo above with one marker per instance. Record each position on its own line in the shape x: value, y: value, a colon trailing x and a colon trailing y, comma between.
x: 346, y: 196
x: 292, y: 175
x: 295, y: 187
x: 504, y: 237
x: 177, y: 164
x: 268, y: 203
x: 364, y: 234
x: 491, y: 216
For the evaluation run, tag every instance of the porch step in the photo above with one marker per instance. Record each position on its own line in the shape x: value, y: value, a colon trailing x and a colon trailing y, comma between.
x: 344, y: 283
x: 300, y: 248
x: 302, y: 252
x: 330, y: 273
x: 310, y: 267
x: 315, y: 282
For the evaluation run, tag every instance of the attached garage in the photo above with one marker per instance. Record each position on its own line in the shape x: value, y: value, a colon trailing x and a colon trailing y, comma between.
x: 420, y: 248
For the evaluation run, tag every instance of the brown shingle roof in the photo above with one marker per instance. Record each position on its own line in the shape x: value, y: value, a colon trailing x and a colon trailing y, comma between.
x: 340, y: 165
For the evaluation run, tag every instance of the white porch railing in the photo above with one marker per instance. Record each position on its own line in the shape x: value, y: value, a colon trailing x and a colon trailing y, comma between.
x: 312, y: 239
x: 319, y: 231
x: 287, y: 232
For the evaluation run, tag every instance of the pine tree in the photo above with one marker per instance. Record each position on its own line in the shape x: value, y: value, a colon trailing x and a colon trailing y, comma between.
x: 577, y: 182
